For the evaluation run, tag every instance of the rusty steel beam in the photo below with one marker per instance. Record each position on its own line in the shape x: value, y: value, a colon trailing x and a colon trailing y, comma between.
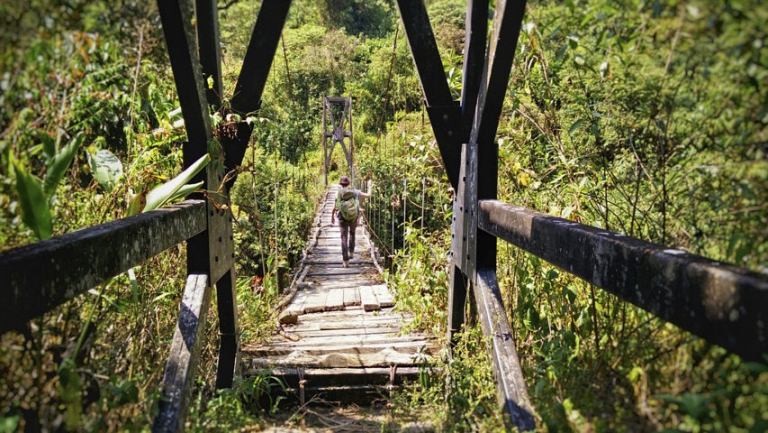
x: 228, y: 365
x: 180, y: 39
x: 259, y: 56
x: 475, y: 38
x: 444, y: 113
x: 508, y: 19
x: 39, y: 277
x: 252, y: 79
x: 502, y: 46
x: 449, y: 132
x: 724, y: 304
x: 426, y: 57
x: 210, y: 49
x: 510, y: 385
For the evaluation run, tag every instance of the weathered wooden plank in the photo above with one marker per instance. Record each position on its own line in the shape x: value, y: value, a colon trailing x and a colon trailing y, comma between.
x: 350, y: 325
x: 724, y: 304
x: 364, y: 372
x: 325, y: 260
x: 385, y: 357
x: 352, y: 332
x: 351, y: 296
x: 326, y: 285
x: 364, y: 345
x: 38, y: 277
x: 368, y: 299
x: 355, y: 315
x: 296, y: 305
x: 380, y: 318
x: 362, y: 276
x: 181, y: 368
x: 360, y: 343
x: 335, y: 300
x: 510, y: 385
x: 345, y: 284
x: 356, y: 343
x: 336, y: 271
x: 315, y: 303
x: 383, y: 295
x: 341, y: 377
x: 340, y: 360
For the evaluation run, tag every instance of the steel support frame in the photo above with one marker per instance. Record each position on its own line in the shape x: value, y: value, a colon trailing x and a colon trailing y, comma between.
x: 465, y: 132
x: 444, y: 113
x: 337, y: 132
x: 195, y: 57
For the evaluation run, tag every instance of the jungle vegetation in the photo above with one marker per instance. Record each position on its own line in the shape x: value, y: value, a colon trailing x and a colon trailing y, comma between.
x: 645, y: 117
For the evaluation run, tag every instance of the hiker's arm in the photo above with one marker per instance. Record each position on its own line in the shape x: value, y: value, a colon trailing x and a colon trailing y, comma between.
x: 364, y: 194
x: 333, y: 215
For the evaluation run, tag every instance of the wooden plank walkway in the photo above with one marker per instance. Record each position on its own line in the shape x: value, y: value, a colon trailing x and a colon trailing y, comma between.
x: 346, y: 332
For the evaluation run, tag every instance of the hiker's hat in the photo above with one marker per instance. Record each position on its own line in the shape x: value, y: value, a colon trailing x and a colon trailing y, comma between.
x: 344, y: 180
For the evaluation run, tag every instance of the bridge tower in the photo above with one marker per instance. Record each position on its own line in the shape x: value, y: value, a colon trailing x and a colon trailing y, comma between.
x: 337, y: 111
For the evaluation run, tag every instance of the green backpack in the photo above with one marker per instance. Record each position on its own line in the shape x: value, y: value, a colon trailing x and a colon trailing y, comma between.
x: 347, y: 204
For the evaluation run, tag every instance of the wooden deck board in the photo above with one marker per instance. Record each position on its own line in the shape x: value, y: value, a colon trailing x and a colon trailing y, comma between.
x: 368, y: 299
x: 351, y: 296
x: 335, y: 300
x: 383, y: 295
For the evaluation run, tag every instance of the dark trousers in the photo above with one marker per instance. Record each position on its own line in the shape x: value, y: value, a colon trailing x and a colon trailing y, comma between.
x: 347, y: 237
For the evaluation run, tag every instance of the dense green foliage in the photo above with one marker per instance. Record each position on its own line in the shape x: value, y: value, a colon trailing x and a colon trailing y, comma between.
x: 646, y: 118
x: 643, y: 117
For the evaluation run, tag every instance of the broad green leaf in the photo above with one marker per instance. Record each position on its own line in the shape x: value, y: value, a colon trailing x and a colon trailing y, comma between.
x: 34, y: 206
x: 9, y: 423
x: 69, y: 390
x: 59, y: 165
x: 575, y: 126
x: 573, y: 41
x: 49, y: 144
x: 165, y: 192
x: 561, y: 52
x: 138, y: 202
x: 186, y: 190
x: 106, y: 168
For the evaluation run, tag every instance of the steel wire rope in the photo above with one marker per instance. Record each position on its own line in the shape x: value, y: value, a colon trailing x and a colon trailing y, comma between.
x: 299, y: 136
x: 378, y: 141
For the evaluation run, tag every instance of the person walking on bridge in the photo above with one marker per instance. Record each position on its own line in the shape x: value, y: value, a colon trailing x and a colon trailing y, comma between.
x: 347, y: 206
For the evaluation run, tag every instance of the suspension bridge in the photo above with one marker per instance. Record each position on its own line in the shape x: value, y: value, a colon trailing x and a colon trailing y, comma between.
x: 340, y: 336
x: 341, y: 328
